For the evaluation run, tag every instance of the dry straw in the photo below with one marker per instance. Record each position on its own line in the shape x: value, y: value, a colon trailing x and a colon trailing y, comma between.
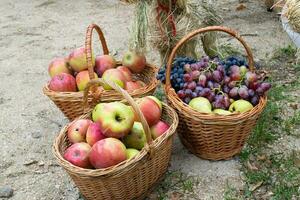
x: 292, y: 13
x: 208, y: 136
x: 130, y: 179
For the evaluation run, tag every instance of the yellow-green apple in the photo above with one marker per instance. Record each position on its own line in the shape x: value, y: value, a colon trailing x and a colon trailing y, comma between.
x: 94, y: 134
x: 77, y: 130
x: 63, y: 83
x: 132, y: 85
x: 151, y: 108
x: 130, y: 153
x: 241, y: 106
x: 107, y: 152
x: 201, y: 104
x: 220, y: 111
x: 103, y: 63
x: 77, y: 59
x: 82, y: 79
x: 159, y: 129
x: 115, y: 76
x: 58, y: 66
x: 136, y: 138
x: 134, y: 61
x: 78, y: 154
x: 115, y: 119
x: 126, y: 71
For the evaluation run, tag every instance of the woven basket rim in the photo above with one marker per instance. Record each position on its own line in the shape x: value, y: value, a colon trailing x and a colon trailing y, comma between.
x: 123, y: 166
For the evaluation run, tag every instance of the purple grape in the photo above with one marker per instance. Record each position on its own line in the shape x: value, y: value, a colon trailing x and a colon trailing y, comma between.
x: 198, y: 89
x: 210, y: 84
x: 187, y: 100
x: 255, y: 100
x: 251, y: 77
x: 211, y: 96
x: 187, y: 78
x: 205, y: 58
x: 202, y: 80
x: 221, y: 69
x: 187, y: 68
x: 181, y: 94
x: 188, y: 92
x: 205, y: 92
x: 265, y: 86
x: 234, y: 69
x: 194, y: 66
x: 194, y: 95
x: 235, y: 76
x: 192, y: 85
x: 217, y: 85
x: 260, y: 91
x: 226, y: 79
x: 195, y: 74
x: 251, y: 93
x: 226, y: 89
x: 208, y: 76
x: 217, y: 76
x: 231, y: 84
x: 226, y: 101
x: 233, y: 93
x: 185, y: 85
x: 254, y: 85
x: 243, y: 92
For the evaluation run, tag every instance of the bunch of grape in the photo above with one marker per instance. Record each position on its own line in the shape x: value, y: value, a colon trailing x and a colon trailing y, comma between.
x: 177, y: 72
x: 233, y: 60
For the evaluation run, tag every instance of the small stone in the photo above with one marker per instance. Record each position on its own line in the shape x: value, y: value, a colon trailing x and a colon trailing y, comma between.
x: 30, y: 162
x: 6, y: 191
x: 36, y: 134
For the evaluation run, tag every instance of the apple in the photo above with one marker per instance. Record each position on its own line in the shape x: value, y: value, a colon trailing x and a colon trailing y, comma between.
x: 130, y: 153
x: 126, y: 71
x: 240, y: 106
x: 107, y: 152
x: 156, y: 100
x: 115, y: 76
x: 77, y: 60
x: 77, y: 130
x: 82, y: 79
x: 104, y: 63
x: 159, y: 129
x: 78, y: 154
x: 221, y: 111
x: 94, y: 134
x: 134, y: 61
x: 63, y: 83
x: 115, y: 119
x: 132, y: 85
x: 201, y: 104
x: 136, y: 138
x: 58, y: 66
x: 151, y: 109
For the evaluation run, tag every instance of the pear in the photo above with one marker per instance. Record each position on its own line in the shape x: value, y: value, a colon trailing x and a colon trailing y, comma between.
x: 201, y: 104
x: 240, y: 106
x: 221, y: 112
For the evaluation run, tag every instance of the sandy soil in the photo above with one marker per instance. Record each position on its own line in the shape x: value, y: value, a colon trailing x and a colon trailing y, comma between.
x: 35, y: 31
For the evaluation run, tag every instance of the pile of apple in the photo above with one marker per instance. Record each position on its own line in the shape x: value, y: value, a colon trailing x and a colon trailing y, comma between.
x: 71, y: 74
x: 114, y: 134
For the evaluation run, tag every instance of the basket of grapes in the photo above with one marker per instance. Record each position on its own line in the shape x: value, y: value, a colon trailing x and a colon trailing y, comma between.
x: 218, y: 100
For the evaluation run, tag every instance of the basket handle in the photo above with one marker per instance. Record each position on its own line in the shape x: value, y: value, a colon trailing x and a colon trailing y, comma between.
x: 204, y: 30
x: 99, y: 81
x: 88, y: 46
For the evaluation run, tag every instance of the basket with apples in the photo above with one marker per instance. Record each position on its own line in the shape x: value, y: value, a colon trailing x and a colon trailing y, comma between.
x: 218, y: 101
x: 69, y: 76
x: 119, y: 149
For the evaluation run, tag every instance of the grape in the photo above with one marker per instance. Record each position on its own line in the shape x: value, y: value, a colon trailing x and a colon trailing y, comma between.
x: 251, y: 93
x: 233, y: 93
x: 187, y: 100
x: 265, y: 86
x: 194, y: 95
x: 221, y: 69
x: 192, y: 85
x: 235, y: 76
x: 260, y: 91
x: 198, y: 89
x: 211, y: 96
x: 231, y: 84
x: 181, y: 94
x: 208, y: 76
x: 226, y: 79
x: 251, y: 77
x: 185, y: 85
x: 234, y: 69
x: 243, y: 92
x: 194, y: 67
x: 181, y: 85
x: 195, y: 74
x: 226, y: 101
x: 188, y: 92
x: 210, y: 84
x: 226, y: 89
x: 205, y: 58
x: 217, y: 76
x: 205, y: 92
x: 217, y: 85
x: 254, y: 100
x: 254, y: 85
x: 202, y: 80
x: 187, y: 78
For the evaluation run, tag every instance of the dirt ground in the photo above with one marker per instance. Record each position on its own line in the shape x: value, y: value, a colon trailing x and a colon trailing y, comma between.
x: 35, y: 31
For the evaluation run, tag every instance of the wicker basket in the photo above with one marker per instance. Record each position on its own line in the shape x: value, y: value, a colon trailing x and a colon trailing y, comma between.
x: 213, y: 137
x: 70, y: 103
x: 132, y: 178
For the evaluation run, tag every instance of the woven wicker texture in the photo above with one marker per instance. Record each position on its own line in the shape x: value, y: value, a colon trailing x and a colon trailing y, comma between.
x: 70, y: 103
x: 213, y: 137
x: 131, y: 179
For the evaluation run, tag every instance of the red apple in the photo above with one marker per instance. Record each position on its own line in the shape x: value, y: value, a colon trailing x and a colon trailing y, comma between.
x: 78, y: 154
x: 134, y: 61
x: 104, y: 63
x: 126, y: 71
x: 151, y: 109
x: 115, y: 119
x: 107, y: 152
x: 82, y: 79
x: 77, y: 130
x: 115, y: 76
x: 63, y: 83
x: 58, y: 66
x: 132, y: 85
x: 94, y: 134
x: 77, y: 60
x: 159, y: 129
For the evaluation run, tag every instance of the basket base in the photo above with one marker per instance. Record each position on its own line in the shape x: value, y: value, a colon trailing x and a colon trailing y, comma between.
x: 209, y: 156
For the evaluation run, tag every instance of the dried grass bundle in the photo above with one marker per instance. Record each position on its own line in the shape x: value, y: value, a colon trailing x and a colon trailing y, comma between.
x: 292, y: 13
